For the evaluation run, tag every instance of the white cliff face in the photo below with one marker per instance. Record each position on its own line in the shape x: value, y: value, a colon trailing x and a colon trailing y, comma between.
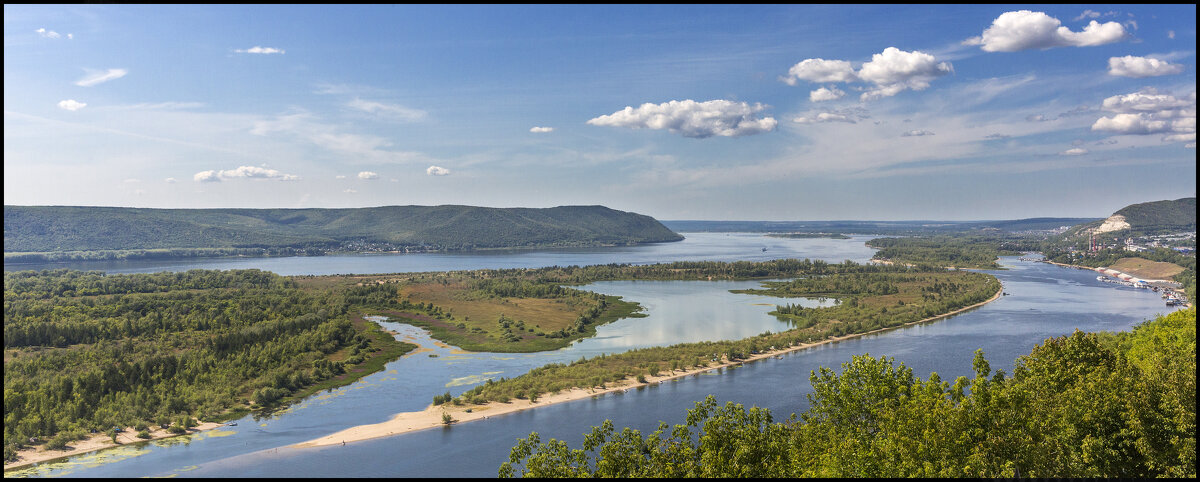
x: 1115, y: 222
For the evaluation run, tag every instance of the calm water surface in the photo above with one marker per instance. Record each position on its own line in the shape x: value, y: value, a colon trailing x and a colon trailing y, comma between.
x: 1044, y: 301
x: 695, y: 247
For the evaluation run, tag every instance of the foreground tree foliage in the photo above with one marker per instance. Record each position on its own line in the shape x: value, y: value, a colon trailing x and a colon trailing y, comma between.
x: 1081, y: 405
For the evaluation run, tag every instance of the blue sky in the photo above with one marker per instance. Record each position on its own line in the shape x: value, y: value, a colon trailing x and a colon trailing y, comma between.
x: 946, y: 112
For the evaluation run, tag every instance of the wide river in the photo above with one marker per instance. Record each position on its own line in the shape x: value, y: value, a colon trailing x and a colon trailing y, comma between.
x: 1044, y: 301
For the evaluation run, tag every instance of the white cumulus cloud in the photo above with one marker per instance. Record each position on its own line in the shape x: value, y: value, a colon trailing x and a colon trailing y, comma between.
x: 821, y: 70
x: 895, y: 70
x: 71, y: 105
x: 1145, y: 102
x: 437, y: 171
x: 540, y: 130
x: 1146, y: 113
x: 1077, y: 151
x: 892, y: 71
x: 260, y: 50
x: 368, y: 175
x: 1138, y: 67
x: 1026, y: 30
x: 693, y: 119
x: 96, y: 77
x: 1131, y: 124
x: 824, y: 94
x: 243, y: 172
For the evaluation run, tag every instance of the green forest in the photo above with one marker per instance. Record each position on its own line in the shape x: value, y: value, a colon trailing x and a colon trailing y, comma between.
x: 1079, y: 405
x: 85, y: 351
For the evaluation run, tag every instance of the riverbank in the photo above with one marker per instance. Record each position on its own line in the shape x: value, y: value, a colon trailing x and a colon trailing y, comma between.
x: 33, y: 455
x: 432, y: 416
x: 1189, y: 303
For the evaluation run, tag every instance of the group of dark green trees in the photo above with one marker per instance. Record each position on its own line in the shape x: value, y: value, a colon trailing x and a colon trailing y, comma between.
x: 85, y: 351
x: 1080, y: 405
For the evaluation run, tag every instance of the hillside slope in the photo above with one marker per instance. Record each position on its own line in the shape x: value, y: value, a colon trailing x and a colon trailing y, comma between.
x: 75, y: 228
x: 1149, y: 218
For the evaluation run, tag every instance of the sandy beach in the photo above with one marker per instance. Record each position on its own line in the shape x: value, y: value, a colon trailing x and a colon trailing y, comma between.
x: 432, y: 415
x: 96, y: 442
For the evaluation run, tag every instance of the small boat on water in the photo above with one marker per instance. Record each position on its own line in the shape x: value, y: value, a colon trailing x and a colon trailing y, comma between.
x: 231, y: 424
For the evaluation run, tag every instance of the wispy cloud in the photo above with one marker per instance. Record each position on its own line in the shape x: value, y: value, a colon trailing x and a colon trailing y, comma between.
x: 159, y: 106
x: 368, y: 175
x: 97, y: 77
x: 390, y: 111
x: 306, y: 127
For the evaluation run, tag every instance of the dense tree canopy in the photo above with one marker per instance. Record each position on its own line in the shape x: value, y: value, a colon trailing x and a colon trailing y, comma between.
x: 87, y: 351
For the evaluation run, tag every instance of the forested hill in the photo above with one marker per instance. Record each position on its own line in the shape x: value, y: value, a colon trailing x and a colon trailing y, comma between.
x: 1149, y: 218
x: 1178, y: 214
x: 74, y: 228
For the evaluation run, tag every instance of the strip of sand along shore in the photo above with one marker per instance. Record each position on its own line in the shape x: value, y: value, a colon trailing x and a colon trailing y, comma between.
x: 96, y: 442
x: 432, y: 416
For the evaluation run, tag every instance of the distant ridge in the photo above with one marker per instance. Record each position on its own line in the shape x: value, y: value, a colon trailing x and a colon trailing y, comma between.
x: 76, y: 228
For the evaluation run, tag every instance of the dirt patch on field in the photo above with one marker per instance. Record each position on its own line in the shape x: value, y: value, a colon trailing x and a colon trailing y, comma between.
x: 1146, y: 269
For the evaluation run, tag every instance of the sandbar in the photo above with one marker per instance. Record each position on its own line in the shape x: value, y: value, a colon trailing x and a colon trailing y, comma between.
x: 32, y: 455
x: 431, y: 416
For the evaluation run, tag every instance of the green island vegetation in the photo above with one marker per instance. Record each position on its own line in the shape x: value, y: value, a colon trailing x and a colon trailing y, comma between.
x: 51, y: 233
x: 960, y: 251
x: 808, y: 235
x: 1078, y: 405
x: 85, y: 352
x: 507, y: 311
x: 873, y: 297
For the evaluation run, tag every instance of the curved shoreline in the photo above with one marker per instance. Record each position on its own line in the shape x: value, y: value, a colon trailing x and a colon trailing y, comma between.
x: 431, y: 416
x: 35, y: 455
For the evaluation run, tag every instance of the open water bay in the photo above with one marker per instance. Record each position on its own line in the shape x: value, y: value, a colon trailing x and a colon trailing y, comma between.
x: 1044, y: 301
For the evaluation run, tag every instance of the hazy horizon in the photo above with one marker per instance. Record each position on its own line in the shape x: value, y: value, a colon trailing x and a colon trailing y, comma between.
x: 701, y: 112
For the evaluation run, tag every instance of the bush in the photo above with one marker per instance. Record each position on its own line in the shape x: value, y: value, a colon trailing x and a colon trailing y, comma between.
x: 143, y: 433
x: 59, y: 442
